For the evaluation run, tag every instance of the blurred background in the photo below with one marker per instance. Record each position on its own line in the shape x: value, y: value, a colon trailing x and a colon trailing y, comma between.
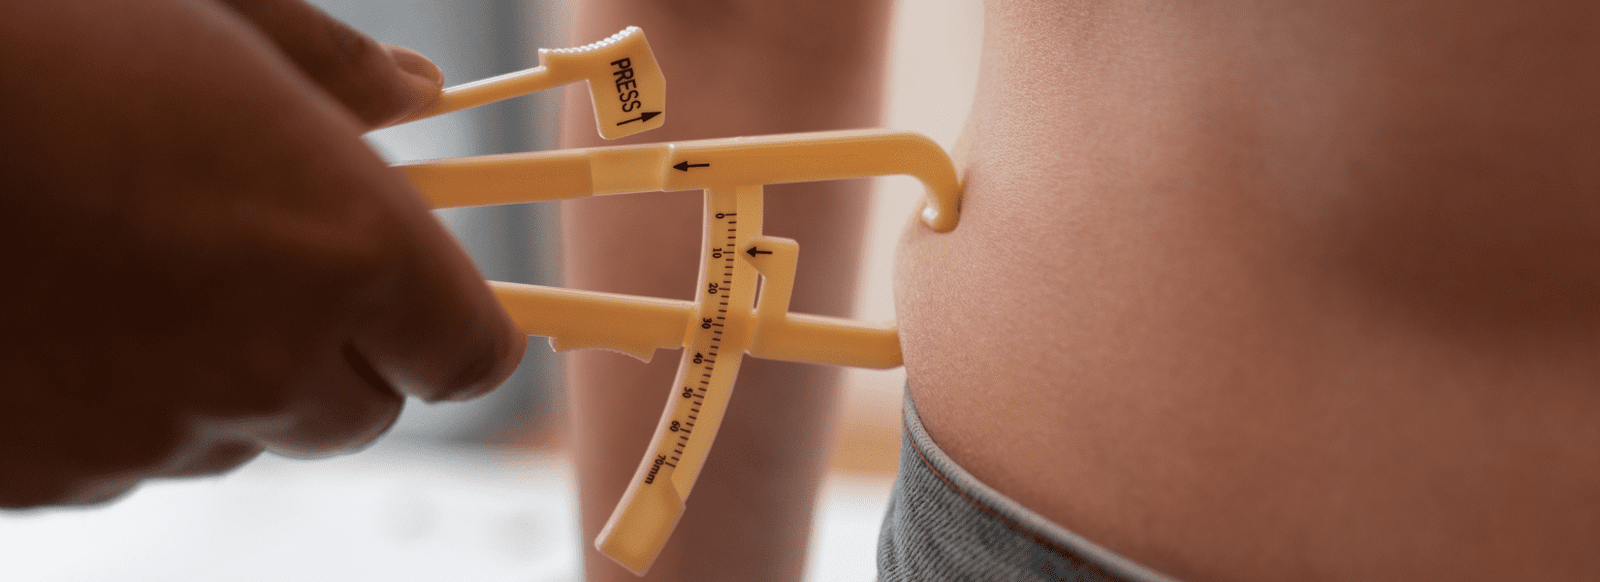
x: 483, y: 490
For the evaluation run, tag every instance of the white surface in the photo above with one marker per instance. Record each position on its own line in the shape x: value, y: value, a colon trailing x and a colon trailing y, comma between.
x: 844, y: 535
x: 392, y: 513
x: 395, y: 513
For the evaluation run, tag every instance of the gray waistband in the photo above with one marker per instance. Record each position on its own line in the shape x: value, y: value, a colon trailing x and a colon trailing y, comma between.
x: 944, y: 524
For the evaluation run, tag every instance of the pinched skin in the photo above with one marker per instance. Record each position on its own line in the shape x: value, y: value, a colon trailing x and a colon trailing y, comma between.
x: 1279, y: 290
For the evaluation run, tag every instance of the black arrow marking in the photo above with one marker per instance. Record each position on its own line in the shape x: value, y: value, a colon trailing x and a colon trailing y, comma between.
x: 753, y: 252
x: 685, y: 165
x: 642, y: 117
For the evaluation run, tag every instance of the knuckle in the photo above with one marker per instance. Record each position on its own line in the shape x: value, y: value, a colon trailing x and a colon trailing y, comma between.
x: 333, y: 432
x: 145, y: 458
x: 358, y: 50
x: 371, y: 423
x: 220, y: 458
x: 334, y: 50
x: 231, y: 459
x: 359, y: 72
x: 476, y: 375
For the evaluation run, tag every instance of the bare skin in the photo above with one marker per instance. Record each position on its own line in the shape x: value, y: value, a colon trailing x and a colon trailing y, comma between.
x: 1265, y: 291
x: 1279, y: 290
x: 202, y: 258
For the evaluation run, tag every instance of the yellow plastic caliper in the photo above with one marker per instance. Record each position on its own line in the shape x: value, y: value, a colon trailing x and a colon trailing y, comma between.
x: 725, y: 321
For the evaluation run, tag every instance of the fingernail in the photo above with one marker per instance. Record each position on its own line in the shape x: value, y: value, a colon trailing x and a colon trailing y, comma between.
x: 417, y: 65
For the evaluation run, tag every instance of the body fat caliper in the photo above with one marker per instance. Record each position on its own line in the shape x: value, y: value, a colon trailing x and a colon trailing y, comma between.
x: 726, y: 320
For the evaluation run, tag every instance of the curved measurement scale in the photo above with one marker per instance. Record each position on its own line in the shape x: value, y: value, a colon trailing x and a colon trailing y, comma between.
x: 725, y: 321
x: 719, y: 334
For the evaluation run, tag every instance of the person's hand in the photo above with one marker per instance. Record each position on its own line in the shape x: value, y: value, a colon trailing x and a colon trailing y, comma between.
x: 199, y: 258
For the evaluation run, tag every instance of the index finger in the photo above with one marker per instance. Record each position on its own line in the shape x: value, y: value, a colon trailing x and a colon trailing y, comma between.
x: 379, y: 83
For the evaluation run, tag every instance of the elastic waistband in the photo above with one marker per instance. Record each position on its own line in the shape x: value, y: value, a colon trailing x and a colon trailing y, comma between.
x: 944, y: 524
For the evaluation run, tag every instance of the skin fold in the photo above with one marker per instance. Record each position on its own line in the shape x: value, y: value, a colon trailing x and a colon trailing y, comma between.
x: 1309, y: 289
x: 1241, y: 290
x: 1265, y: 290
